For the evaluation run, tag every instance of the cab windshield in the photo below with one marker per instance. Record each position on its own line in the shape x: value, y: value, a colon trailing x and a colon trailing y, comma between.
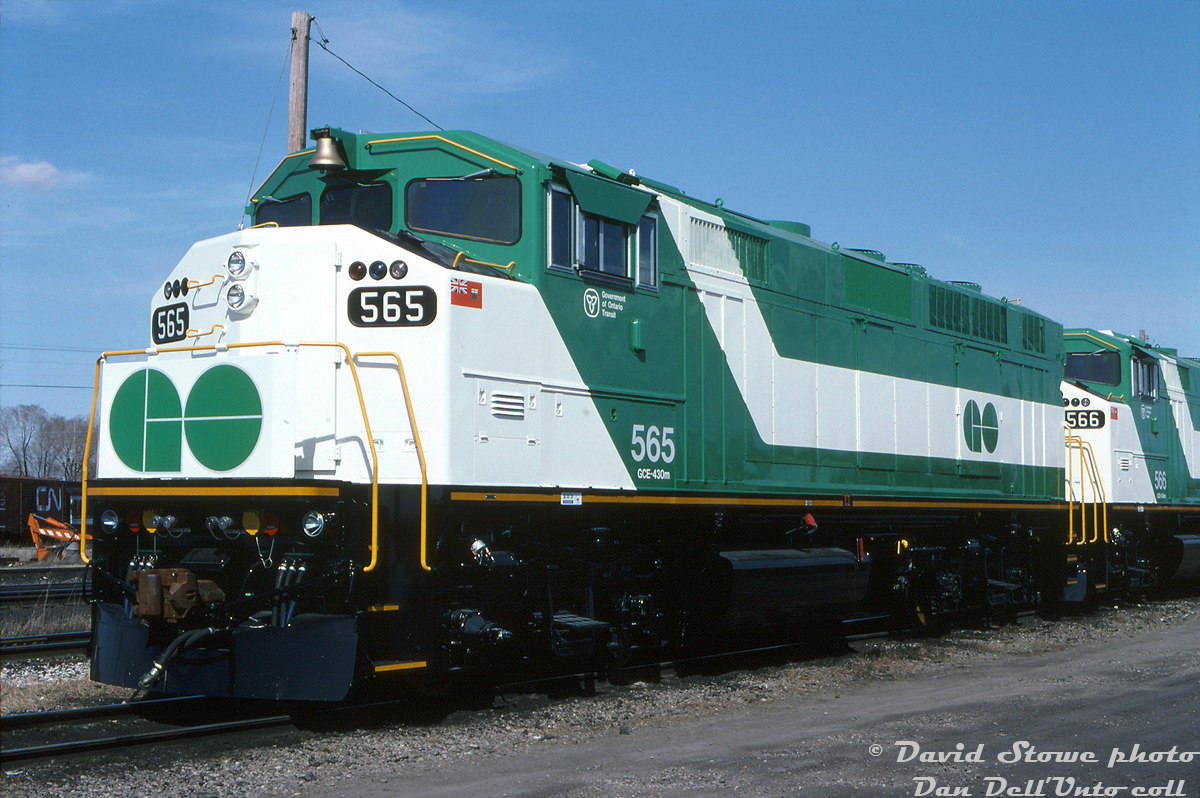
x: 486, y: 207
x: 1103, y: 367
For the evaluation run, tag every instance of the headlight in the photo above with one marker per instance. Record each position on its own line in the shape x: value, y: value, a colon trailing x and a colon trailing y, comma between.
x: 314, y: 523
x: 240, y: 300
x: 109, y: 521
x: 236, y: 265
x: 398, y: 269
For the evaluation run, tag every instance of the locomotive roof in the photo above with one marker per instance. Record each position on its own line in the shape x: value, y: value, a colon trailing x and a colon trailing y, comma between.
x: 368, y: 152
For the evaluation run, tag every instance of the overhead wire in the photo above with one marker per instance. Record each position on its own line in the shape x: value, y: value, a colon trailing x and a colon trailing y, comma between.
x: 274, y: 98
x: 323, y: 44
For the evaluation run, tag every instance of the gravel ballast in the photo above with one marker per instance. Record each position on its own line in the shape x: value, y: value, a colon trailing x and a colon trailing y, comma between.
x: 775, y: 730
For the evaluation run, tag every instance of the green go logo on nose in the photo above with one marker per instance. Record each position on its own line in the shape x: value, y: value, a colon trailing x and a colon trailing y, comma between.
x: 221, y: 420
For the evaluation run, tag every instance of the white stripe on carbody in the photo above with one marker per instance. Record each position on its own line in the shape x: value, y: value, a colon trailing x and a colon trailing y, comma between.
x: 802, y: 404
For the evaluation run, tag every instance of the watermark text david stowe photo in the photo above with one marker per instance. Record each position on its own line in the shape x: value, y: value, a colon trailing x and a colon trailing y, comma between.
x: 1063, y: 776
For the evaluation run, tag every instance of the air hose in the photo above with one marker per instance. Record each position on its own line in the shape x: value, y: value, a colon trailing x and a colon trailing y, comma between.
x: 185, y: 640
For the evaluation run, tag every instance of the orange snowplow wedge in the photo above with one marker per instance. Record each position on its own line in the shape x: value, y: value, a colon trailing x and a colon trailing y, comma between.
x: 51, y: 537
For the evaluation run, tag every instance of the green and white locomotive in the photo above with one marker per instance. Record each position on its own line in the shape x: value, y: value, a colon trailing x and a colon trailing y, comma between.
x: 452, y: 407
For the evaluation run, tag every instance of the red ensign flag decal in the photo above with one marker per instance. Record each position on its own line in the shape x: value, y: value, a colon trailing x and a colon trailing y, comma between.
x: 466, y: 293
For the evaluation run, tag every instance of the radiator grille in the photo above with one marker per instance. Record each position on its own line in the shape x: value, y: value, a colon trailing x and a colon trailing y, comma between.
x: 730, y: 250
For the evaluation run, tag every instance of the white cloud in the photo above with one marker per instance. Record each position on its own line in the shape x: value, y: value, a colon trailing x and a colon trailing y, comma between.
x: 41, y: 175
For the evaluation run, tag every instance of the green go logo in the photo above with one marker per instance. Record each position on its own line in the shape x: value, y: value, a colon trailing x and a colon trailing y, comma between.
x: 221, y: 420
x: 981, y: 430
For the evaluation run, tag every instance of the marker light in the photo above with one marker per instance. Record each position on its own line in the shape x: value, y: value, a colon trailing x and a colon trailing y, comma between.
x: 399, y: 269
x: 314, y: 523
x: 358, y: 270
x: 236, y: 265
x: 109, y: 521
x: 379, y: 270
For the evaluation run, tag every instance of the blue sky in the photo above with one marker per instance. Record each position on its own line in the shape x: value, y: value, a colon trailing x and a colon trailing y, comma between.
x: 1046, y: 150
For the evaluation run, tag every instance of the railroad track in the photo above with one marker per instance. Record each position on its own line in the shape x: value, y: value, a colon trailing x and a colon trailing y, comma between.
x: 63, y: 572
x: 37, y: 594
x: 12, y: 648
x: 103, y: 733
x: 115, y: 726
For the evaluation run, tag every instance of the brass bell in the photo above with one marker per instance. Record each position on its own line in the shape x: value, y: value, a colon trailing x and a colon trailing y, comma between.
x: 327, y: 157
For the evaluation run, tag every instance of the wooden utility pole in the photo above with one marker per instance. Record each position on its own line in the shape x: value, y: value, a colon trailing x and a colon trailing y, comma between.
x: 298, y: 94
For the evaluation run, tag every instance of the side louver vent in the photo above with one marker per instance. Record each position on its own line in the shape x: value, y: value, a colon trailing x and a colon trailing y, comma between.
x: 508, y: 405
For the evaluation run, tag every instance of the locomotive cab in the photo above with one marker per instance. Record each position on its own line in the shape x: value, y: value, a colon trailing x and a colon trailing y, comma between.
x: 1130, y: 412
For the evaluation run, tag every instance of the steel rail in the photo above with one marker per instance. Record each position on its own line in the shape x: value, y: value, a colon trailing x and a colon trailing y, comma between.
x: 44, y: 570
x: 12, y: 647
x: 12, y: 594
x: 139, y: 738
x: 25, y: 720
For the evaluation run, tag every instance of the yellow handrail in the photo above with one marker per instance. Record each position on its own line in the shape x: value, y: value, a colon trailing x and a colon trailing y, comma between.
x: 1100, y: 341
x: 191, y: 332
x: 412, y: 421
x: 1089, y: 471
x: 194, y: 284
x: 444, y: 140
x: 512, y: 264
x: 222, y: 347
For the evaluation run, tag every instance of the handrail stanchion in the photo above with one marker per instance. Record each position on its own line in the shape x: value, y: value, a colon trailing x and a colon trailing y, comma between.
x: 412, y: 421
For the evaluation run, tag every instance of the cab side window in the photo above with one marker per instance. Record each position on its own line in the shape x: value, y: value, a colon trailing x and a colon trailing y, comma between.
x: 1145, y: 378
x: 590, y: 243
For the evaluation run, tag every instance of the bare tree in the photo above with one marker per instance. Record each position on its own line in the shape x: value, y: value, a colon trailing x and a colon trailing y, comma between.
x: 20, y: 434
x: 35, y: 444
x: 67, y: 441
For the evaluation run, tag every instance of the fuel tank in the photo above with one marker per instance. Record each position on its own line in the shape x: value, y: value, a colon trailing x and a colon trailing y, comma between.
x: 788, y: 587
x: 1182, y: 561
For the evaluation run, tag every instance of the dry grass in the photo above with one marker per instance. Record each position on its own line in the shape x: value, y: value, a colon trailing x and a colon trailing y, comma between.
x: 56, y: 684
x: 45, y: 620
x: 21, y: 553
x: 27, y: 555
x: 49, y: 618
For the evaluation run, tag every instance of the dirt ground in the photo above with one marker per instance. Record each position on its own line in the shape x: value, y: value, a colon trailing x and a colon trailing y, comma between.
x: 1102, y: 704
x: 1132, y: 705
